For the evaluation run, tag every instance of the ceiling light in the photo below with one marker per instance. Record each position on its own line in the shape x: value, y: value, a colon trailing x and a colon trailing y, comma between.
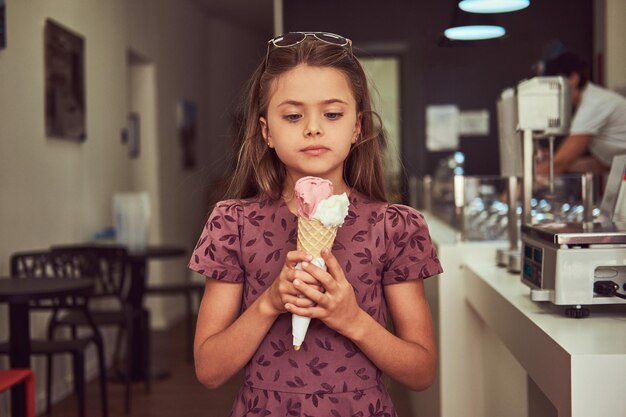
x: 474, y: 32
x: 493, y: 6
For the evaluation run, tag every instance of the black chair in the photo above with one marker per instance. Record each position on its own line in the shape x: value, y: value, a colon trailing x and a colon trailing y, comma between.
x: 40, y: 264
x: 107, y: 265
x: 187, y: 289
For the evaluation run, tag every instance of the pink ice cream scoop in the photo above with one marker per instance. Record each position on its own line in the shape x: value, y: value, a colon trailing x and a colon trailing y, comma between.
x: 309, y: 192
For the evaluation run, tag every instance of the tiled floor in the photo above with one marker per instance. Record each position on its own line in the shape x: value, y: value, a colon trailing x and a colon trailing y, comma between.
x: 180, y: 394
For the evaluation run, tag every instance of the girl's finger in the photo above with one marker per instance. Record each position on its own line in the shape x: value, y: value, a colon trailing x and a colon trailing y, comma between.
x: 294, y: 257
x: 299, y: 301
x: 304, y: 311
x: 304, y: 276
x: 308, y: 291
x: 320, y: 275
x: 334, y: 269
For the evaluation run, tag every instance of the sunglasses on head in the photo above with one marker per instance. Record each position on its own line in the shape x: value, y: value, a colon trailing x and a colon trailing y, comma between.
x: 293, y: 38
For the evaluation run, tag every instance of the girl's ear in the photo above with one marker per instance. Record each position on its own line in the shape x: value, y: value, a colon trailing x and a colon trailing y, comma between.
x: 263, y: 124
x: 357, y: 128
x: 265, y: 130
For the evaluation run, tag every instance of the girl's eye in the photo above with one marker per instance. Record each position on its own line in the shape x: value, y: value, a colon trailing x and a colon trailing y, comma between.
x: 333, y: 116
x: 292, y: 117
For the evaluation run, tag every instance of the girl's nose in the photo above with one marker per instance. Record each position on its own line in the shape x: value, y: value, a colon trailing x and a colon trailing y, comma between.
x: 312, y: 130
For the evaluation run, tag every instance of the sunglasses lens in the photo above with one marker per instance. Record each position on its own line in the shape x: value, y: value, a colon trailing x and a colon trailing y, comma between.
x: 332, y: 38
x: 289, y: 39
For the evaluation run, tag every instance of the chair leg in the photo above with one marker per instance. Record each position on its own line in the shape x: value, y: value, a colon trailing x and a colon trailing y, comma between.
x: 118, y: 349
x: 30, y: 395
x: 49, y: 372
x: 79, y: 381
x: 129, y: 362
x: 147, y: 363
x: 104, y: 397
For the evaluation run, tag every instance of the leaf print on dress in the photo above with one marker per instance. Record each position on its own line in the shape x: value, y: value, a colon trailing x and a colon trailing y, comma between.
x: 351, y: 218
x: 375, y: 218
x: 379, y: 410
x: 326, y: 345
x: 275, y: 255
x: 210, y: 251
x: 315, y: 365
x: 319, y: 394
x: 229, y: 239
x: 293, y: 237
x: 361, y: 373
x: 351, y: 349
x: 413, y: 219
x: 399, y: 240
x: 293, y: 407
x: 253, y: 409
x: 214, y: 223
x: 262, y: 362
x: 232, y: 257
x: 366, y: 256
x: 267, y: 235
x: 297, y: 382
x: 358, y: 236
x: 417, y: 241
x: 280, y: 348
x: 254, y: 218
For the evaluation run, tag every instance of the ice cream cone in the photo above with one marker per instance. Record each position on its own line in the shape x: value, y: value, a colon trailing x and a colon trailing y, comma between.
x: 320, y: 213
x: 313, y: 236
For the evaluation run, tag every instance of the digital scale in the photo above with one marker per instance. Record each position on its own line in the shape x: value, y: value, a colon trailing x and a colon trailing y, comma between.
x: 579, y: 264
x: 562, y: 262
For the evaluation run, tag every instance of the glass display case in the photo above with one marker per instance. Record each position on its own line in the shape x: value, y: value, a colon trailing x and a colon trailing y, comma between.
x: 477, y: 205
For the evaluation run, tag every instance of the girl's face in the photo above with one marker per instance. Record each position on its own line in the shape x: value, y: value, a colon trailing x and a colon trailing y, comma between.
x: 311, y: 123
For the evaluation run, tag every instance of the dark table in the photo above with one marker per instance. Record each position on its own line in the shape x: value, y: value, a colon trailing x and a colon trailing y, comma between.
x: 138, y: 260
x: 18, y: 293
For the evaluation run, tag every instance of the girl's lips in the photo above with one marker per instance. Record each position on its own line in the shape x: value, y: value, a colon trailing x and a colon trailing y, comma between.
x: 315, y: 150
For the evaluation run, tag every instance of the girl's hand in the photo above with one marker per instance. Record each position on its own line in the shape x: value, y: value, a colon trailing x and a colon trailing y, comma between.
x: 336, y: 306
x: 282, y: 290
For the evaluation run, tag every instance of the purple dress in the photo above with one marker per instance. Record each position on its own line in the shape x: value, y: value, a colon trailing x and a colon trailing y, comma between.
x: 379, y: 244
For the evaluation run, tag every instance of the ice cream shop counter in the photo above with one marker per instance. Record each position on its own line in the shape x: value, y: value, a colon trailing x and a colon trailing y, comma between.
x: 503, y: 354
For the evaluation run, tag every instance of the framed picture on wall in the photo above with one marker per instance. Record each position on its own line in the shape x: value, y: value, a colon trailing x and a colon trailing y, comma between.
x: 186, y: 126
x: 3, y: 25
x: 64, y: 83
x: 134, y: 135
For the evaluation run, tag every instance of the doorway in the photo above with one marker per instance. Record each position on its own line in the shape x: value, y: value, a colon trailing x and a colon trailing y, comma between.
x: 384, y: 81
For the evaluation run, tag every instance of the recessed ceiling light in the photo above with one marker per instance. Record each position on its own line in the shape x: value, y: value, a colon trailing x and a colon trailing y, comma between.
x: 493, y: 6
x: 474, y: 32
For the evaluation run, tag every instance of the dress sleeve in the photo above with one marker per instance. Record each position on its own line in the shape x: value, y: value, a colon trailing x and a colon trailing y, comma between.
x: 409, y: 251
x: 218, y: 252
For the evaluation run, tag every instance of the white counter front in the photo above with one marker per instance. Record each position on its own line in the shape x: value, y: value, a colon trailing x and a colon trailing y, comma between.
x: 501, y: 354
x: 579, y: 364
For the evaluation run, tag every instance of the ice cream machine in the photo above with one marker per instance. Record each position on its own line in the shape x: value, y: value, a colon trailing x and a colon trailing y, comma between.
x: 570, y: 264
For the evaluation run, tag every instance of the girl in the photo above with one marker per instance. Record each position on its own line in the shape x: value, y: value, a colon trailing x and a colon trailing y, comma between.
x: 308, y: 113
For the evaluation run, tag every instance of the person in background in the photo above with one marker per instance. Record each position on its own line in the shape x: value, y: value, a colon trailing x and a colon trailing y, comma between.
x: 598, y: 130
x: 308, y: 113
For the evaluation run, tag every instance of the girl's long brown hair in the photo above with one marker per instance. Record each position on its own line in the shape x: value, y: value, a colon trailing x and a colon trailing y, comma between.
x: 258, y: 170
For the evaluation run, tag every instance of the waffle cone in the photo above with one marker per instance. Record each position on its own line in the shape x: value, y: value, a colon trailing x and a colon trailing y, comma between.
x: 313, y: 236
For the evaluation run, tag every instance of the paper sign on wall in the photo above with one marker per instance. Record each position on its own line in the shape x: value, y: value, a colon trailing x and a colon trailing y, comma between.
x: 442, y: 127
x: 474, y: 123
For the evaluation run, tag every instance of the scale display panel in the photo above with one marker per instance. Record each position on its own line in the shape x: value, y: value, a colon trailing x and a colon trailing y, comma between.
x: 532, y: 264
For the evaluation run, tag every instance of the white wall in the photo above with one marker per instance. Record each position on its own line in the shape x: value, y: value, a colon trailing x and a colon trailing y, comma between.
x: 615, y: 51
x: 54, y: 191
